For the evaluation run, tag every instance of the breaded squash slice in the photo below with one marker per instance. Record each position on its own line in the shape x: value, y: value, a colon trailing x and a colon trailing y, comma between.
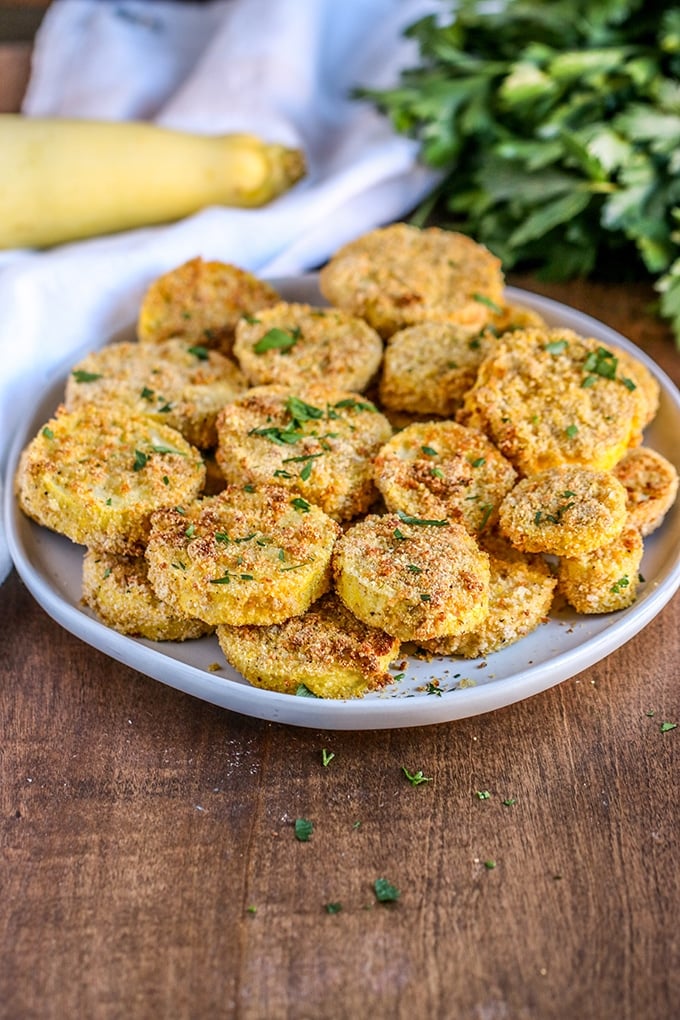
x: 399, y: 275
x: 117, y: 589
x: 427, y: 369
x: 327, y: 650
x: 201, y: 302
x: 565, y: 511
x: 297, y: 344
x: 651, y: 484
x: 249, y: 555
x: 417, y: 579
x: 317, y: 442
x: 443, y: 469
x: 173, y: 382
x: 606, y: 579
x: 521, y: 589
x: 549, y: 397
x: 96, y: 474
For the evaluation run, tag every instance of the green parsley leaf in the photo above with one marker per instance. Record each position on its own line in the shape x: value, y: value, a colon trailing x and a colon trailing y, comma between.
x: 199, y: 352
x: 416, y: 778
x: 421, y: 522
x: 81, y: 376
x: 326, y: 757
x: 301, y: 504
x: 666, y: 727
x: 303, y: 829
x: 48, y: 433
x: 385, y: 892
x: 333, y: 908
x: 276, y: 340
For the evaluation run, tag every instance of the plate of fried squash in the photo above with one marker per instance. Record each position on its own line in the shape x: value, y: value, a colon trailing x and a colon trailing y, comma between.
x: 394, y: 493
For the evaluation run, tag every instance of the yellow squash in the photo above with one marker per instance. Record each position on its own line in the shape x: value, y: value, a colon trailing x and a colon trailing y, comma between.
x: 66, y: 179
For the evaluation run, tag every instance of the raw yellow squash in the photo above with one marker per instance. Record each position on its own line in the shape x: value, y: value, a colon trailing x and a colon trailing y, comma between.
x: 68, y: 179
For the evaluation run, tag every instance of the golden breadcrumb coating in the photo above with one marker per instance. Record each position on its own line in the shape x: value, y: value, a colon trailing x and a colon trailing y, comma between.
x: 443, y: 469
x: 427, y: 369
x: 415, y: 579
x: 646, y: 391
x: 565, y: 511
x: 201, y: 302
x: 317, y: 442
x: 549, y: 397
x: 117, y: 589
x: 327, y: 649
x: 511, y: 316
x: 398, y: 275
x: 247, y: 555
x: 96, y: 474
x: 651, y: 484
x: 298, y: 344
x: 603, y: 580
x: 175, y: 383
x: 521, y: 589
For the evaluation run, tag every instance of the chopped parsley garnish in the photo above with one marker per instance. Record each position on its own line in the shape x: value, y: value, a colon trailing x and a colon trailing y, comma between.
x: 408, y: 519
x: 303, y: 829
x: 433, y: 688
x: 478, y: 461
x: 429, y: 451
x: 424, y: 597
x: 333, y: 908
x: 436, y: 472
x: 48, y: 433
x: 556, y: 346
x: 351, y: 404
x: 599, y: 362
x: 306, y: 471
x: 571, y: 431
x: 277, y: 340
x: 489, y: 865
x: 509, y: 801
x: 140, y: 460
x: 619, y: 585
x: 399, y: 535
x: 80, y: 375
x: 483, y: 795
x: 484, y: 300
x: 326, y: 757
x: 385, y: 892
x: 199, y: 352
x: 190, y: 531
x: 228, y: 577
x: 413, y: 568
x: 666, y: 727
x: 300, y: 504
x: 416, y: 778
x: 302, y: 691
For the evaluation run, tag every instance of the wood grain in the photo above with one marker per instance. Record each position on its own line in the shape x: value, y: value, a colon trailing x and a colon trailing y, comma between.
x: 150, y: 867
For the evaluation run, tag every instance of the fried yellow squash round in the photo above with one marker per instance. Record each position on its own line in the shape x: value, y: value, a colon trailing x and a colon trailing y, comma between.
x: 399, y: 275
x: 96, y: 474
x: 327, y: 649
x: 298, y: 344
x: 417, y: 579
x: 253, y: 555
x: 318, y: 443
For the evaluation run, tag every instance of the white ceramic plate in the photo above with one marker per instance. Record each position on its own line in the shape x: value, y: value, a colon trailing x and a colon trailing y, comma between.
x: 50, y: 566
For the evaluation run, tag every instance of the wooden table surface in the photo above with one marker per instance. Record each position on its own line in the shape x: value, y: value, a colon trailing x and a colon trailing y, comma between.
x: 150, y: 866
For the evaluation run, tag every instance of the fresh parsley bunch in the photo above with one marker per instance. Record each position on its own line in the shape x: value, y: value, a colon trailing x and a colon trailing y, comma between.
x: 557, y: 128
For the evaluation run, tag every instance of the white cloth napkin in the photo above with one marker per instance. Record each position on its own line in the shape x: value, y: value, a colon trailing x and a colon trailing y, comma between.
x: 283, y: 69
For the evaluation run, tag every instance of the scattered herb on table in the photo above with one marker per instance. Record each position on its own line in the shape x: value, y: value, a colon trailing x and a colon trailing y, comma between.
x: 416, y: 778
x: 303, y: 829
x: 385, y: 892
x: 666, y: 727
x: 556, y: 129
